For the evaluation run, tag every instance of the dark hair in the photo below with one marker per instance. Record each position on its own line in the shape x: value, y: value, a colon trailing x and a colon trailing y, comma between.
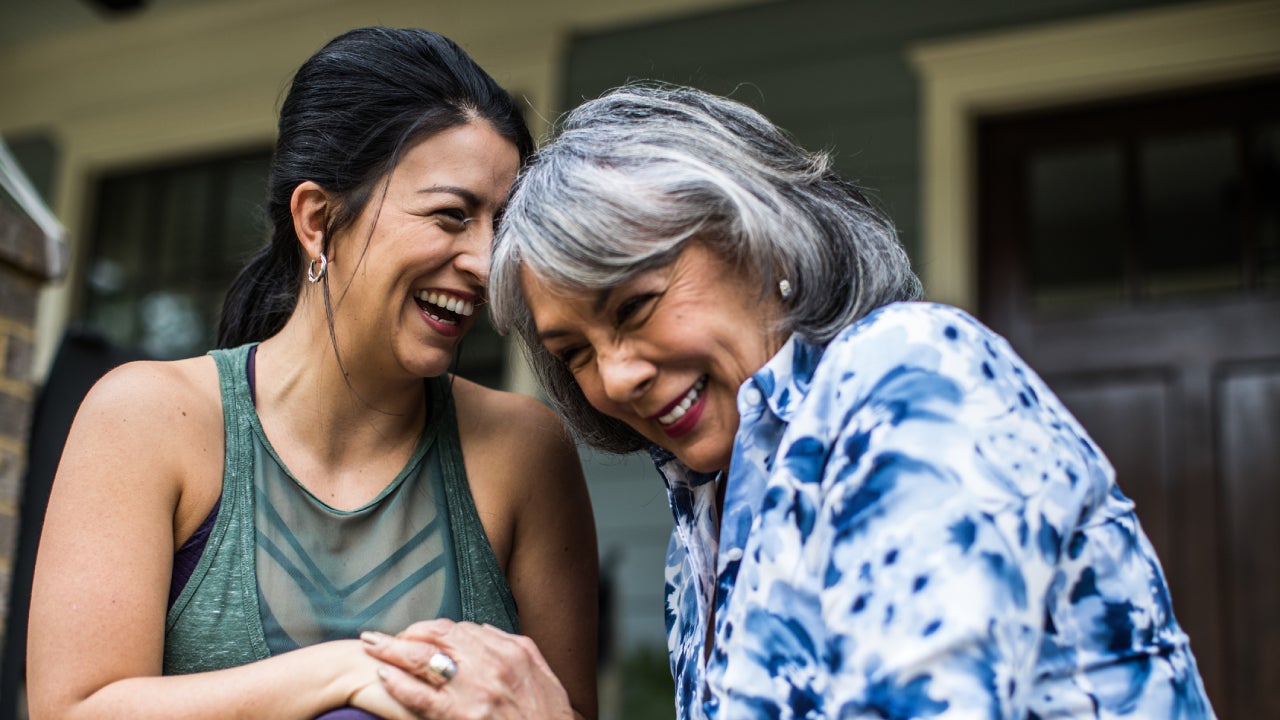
x: 351, y: 111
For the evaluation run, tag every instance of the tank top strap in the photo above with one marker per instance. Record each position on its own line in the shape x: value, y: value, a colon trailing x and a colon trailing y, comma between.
x: 213, y: 622
x: 486, y: 597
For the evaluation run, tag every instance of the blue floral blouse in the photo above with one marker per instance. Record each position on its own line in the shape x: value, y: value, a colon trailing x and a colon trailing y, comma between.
x: 915, y: 527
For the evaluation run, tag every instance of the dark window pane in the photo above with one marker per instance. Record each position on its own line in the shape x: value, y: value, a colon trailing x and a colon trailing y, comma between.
x: 1190, y: 214
x: 120, y: 257
x: 172, y: 325
x: 118, y: 270
x: 483, y: 352
x: 116, y: 317
x: 246, y: 226
x: 186, y: 213
x: 163, y: 251
x: 1077, y: 226
x: 1265, y: 167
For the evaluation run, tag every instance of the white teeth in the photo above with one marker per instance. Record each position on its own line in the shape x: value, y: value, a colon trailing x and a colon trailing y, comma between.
x: 685, y: 403
x: 439, y: 319
x: 464, y: 308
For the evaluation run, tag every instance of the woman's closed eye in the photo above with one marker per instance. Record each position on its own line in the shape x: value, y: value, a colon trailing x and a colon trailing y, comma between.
x: 633, y: 309
x: 453, y: 219
x: 573, y: 357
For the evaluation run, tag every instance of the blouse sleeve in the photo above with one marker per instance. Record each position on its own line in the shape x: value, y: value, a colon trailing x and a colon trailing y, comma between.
x: 938, y: 538
x: 946, y: 495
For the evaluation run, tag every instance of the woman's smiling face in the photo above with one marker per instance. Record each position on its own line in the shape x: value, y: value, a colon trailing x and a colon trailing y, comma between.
x: 414, y: 286
x: 666, y: 351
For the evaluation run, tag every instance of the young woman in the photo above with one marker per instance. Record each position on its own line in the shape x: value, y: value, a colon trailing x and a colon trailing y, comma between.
x: 223, y: 528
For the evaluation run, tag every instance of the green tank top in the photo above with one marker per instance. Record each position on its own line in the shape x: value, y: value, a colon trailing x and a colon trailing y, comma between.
x: 283, y: 570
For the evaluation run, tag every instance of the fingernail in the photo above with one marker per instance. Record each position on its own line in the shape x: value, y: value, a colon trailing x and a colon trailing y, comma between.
x: 372, y: 638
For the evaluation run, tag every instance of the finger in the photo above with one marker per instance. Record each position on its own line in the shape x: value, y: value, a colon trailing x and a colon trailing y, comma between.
x: 440, y: 669
x: 508, y: 646
x: 423, y: 699
x: 424, y: 660
x: 429, y: 630
x: 507, y: 661
x: 378, y: 702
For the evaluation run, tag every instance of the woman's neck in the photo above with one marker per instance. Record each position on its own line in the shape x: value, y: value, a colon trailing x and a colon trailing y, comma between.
x: 335, y: 421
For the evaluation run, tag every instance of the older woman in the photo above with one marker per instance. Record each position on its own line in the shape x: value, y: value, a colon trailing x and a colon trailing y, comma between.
x: 881, y: 511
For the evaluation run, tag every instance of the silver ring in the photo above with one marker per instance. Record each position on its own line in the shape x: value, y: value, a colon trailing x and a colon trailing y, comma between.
x: 443, y: 667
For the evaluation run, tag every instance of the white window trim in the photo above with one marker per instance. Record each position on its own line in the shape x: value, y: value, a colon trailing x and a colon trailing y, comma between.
x: 1101, y: 57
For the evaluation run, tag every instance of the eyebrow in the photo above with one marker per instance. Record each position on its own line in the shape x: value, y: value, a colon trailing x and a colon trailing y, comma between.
x: 602, y: 299
x: 461, y: 192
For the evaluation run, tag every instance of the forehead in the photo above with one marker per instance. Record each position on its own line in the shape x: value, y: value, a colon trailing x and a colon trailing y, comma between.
x: 697, y: 273
x: 473, y: 153
x: 543, y: 295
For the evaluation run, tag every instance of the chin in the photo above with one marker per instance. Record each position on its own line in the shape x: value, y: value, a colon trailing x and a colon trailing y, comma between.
x: 700, y: 462
x: 428, y: 366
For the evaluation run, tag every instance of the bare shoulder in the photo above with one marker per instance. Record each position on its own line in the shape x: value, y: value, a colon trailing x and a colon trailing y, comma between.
x: 161, y: 418
x: 507, y: 422
x: 147, y: 441
x: 516, y: 452
x: 158, y: 393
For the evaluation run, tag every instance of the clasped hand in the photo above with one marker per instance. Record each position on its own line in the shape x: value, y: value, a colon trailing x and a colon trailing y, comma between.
x: 498, y: 674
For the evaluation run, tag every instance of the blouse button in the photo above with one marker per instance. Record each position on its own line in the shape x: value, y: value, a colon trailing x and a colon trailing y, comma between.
x: 734, y: 554
x: 754, y: 397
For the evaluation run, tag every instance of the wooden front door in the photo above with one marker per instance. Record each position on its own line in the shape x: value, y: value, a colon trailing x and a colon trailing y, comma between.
x: 1131, y: 253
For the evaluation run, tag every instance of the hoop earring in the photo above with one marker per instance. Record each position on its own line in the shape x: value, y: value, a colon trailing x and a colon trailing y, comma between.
x: 784, y: 288
x: 313, y: 276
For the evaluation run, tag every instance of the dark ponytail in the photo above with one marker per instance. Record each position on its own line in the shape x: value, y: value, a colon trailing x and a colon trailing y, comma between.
x: 351, y: 110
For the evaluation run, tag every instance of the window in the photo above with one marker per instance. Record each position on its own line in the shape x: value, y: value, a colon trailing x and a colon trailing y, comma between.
x: 1154, y: 200
x: 166, y: 243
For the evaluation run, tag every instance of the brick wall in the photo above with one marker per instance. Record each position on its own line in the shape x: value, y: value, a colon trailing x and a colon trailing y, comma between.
x: 25, y: 268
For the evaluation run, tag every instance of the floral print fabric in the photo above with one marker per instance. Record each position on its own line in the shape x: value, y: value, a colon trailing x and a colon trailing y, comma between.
x: 915, y: 527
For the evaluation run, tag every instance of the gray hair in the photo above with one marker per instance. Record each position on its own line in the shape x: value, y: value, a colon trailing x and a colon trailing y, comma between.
x: 635, y: 175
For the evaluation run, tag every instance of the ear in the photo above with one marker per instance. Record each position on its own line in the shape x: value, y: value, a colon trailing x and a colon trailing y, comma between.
x: 310, y: 207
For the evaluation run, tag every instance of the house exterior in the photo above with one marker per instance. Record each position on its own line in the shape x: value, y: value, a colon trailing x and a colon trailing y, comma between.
x: 990, y: 131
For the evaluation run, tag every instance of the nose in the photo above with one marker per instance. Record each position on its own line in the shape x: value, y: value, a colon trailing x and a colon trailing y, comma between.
x: 473, y: 251
x: 624, y: 376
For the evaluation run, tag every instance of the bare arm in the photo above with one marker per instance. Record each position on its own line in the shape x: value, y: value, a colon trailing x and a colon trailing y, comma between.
x: 135, y: 475
x: 554, y: 565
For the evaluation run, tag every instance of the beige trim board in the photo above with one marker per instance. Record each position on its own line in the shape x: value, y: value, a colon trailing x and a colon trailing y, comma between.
x: 1101, y: 57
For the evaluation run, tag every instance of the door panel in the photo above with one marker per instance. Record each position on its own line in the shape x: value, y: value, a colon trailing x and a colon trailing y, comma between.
x: 1249, y: 432
x: 1127, y: 415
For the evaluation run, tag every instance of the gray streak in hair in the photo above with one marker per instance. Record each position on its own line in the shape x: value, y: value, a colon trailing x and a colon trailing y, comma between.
x: 632, y: 177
